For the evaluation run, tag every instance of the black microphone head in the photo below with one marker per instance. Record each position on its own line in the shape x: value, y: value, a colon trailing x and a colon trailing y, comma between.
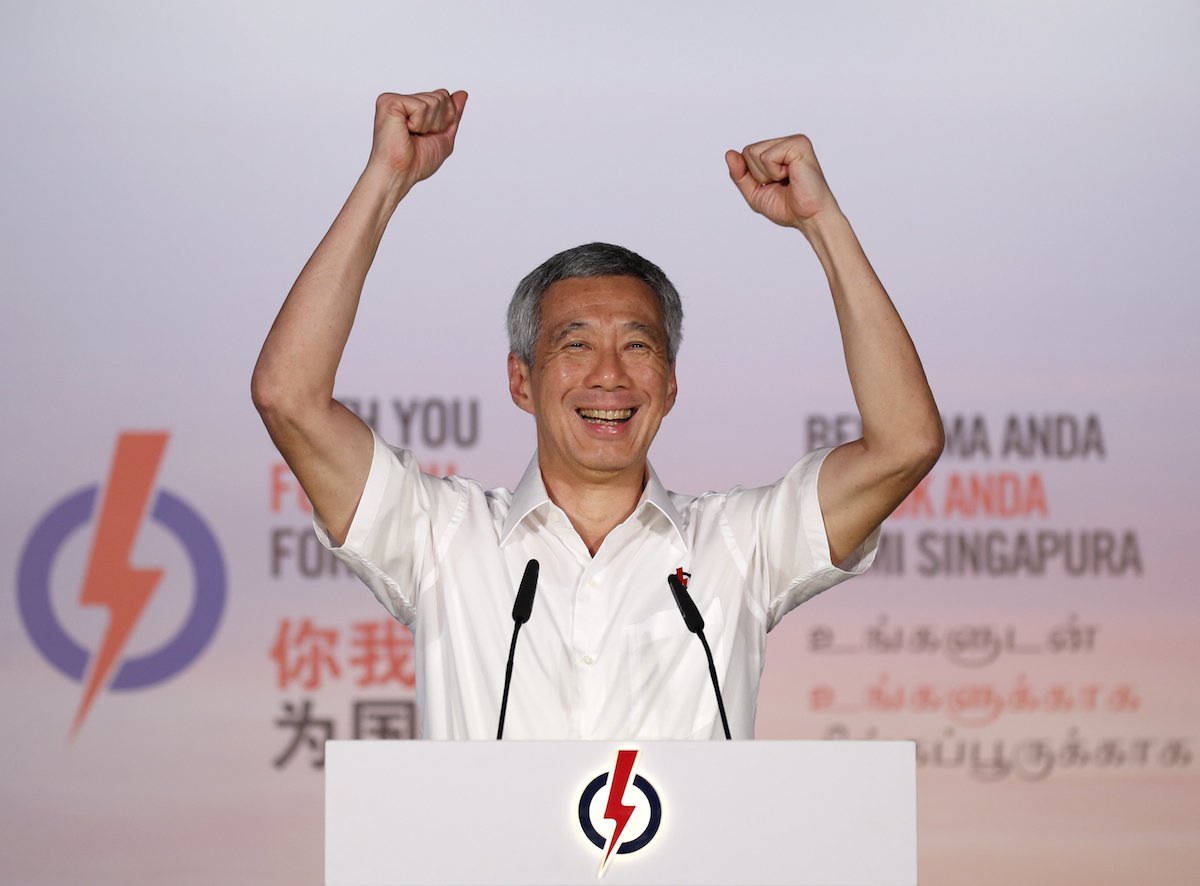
x: 687, y: 607
x: 524, y: 602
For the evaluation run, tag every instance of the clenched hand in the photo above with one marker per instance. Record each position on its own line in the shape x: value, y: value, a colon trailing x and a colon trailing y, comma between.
x: 781, y: 179
x: 414, y: 134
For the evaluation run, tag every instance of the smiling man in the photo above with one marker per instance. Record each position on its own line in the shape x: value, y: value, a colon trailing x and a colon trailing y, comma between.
x: 593, y: 334
x: 596, y: 368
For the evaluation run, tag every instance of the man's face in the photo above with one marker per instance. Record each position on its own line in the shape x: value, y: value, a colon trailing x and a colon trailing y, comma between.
x: 601, y: 382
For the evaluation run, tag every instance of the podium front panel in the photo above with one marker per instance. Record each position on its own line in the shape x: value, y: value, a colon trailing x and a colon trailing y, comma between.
x: 821, y: 813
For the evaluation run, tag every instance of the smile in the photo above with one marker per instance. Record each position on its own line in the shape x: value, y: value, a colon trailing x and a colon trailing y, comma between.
x: 606, y: 416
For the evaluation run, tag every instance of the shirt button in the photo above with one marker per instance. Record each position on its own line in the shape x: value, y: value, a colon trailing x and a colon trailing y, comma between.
x: 592, y: 582
x: 587, y: 660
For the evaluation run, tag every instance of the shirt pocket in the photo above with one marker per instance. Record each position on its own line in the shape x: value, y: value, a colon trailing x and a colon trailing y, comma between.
x: 671, y: 694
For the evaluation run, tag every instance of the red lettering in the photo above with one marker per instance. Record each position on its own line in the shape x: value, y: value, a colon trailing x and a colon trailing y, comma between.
x: 1004, y: 494
x: 284, y: 484
x: 820, y: 698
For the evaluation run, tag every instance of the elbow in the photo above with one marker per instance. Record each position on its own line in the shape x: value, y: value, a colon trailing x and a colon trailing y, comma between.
x: 912, y: 453
x: 272, y: 396
x: 265, y: 392
x: 926, y: 448
x: 284, y: 403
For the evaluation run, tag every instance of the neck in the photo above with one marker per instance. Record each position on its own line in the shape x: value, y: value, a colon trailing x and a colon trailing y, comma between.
x: 596, y: 505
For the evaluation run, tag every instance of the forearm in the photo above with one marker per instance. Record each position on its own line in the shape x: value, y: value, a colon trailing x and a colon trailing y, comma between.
x: 899, y: 416
x: 861, y: 481
x: 300, y: 356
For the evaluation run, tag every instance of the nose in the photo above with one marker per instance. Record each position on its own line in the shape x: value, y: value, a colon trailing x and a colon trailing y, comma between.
x: 608, y: 370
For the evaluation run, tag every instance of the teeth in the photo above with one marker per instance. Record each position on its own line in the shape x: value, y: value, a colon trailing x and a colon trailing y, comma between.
x: 607, y: 414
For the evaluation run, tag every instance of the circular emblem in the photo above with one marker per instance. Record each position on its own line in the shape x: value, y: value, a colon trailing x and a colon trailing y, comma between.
x: 61, y: 650
x: 632, y: 844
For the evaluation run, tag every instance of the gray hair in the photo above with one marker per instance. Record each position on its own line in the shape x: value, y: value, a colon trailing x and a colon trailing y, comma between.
x: 589, y: 260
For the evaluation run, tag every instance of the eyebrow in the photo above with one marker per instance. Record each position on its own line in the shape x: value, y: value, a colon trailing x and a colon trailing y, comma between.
x: 566, y: 331
x: 632, y: 326
x: 652, y: 331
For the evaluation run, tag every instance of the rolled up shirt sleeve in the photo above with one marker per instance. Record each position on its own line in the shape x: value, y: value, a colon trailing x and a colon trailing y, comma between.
x: 391, y: 540
x: 784, y: 544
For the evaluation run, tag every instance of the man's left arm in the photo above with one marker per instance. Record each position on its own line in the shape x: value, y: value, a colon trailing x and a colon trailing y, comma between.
x: 863, y: 481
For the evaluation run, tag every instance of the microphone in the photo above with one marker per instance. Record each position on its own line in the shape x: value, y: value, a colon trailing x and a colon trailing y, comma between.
x: 695, y: 623
x: 522, y: 607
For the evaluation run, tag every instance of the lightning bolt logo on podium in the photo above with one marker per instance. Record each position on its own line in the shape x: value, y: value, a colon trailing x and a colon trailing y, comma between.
x: 616, y: 810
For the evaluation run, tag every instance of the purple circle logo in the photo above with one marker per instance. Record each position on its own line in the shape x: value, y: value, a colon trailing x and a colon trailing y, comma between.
x: 109, y: 581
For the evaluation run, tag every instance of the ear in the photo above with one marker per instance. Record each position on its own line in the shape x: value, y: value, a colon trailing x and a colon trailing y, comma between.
x: 672, y: 391
x: 519, y: 383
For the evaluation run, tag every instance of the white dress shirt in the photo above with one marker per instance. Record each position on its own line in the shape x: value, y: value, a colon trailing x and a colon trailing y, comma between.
x: 605, y: 654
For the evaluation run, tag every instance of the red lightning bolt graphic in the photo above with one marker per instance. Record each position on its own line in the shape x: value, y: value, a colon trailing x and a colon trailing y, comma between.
x: 617, y: 810
x: 110, y: 580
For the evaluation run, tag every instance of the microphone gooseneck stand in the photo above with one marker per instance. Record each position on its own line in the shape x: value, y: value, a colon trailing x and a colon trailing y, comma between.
x: 695, y: 623
x: 522, y: 607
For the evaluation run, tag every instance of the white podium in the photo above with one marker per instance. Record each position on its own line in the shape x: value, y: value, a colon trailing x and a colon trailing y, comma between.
x: 819, y: 813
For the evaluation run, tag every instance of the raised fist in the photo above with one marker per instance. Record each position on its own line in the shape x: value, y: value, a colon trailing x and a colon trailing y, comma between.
x: 414, y: 134
x: 781, y: 179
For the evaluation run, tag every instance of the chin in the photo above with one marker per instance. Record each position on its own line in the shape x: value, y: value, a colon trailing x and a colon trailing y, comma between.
x: 610, y: 461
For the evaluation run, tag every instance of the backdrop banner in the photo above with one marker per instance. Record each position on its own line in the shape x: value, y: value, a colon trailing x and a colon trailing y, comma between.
x: 175, y: 644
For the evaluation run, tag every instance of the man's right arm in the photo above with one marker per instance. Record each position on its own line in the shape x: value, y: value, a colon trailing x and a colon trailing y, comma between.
x: 327, y: 447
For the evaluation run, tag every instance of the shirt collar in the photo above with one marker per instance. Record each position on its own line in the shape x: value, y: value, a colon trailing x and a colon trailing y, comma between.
x: 530, y: 494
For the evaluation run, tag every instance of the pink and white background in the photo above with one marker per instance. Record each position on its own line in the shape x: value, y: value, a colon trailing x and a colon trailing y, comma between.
x: 1023, y: 177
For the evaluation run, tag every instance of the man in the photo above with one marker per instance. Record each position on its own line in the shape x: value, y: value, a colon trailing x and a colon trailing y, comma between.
x: 594, y: 333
